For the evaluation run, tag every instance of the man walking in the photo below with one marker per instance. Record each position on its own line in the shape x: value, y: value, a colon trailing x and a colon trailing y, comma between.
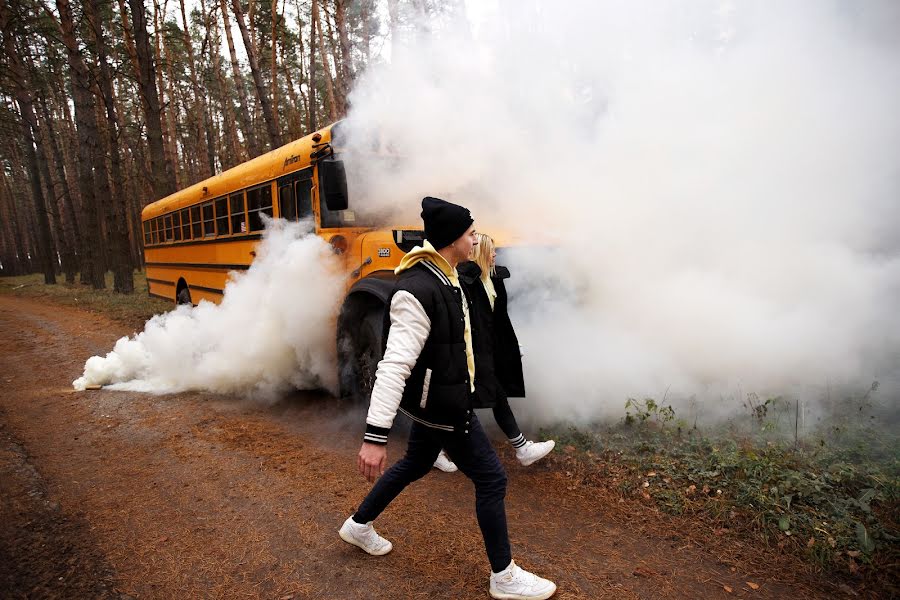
x: 428, y: 373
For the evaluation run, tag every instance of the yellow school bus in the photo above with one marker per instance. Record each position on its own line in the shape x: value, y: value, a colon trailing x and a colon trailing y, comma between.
x: 194, y: 237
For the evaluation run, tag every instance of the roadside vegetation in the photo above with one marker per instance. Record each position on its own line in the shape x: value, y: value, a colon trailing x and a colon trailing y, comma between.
x: 830, y: 494
x: 131, y: 309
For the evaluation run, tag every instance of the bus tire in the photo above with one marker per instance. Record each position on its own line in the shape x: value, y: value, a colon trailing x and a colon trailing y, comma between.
x: 360, y: 352
x: 183, y: 296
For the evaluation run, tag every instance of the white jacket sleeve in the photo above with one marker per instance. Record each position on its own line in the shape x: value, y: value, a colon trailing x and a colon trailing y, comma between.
x: 409, y: 329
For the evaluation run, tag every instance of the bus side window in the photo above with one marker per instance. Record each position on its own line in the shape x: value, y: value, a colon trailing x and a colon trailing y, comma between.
x: 156, y: 230
x: 287, y: 208
x: 196, y: 224
x: 259, y: 200
x: 303, y: 192
x: 238, y: 220
x: 146, y: 233
x: 176, y: 226
x: 185, y: 224
x: 209, y: 224
x: 222, y: 216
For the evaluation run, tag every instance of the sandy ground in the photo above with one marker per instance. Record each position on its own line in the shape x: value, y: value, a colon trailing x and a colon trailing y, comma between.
x: 120, y: 494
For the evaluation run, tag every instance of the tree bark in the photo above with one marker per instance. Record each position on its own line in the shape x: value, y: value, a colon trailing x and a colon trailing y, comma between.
x: 329, y: 85
x: 244, y: 107
x: 31, y: 134
x: 167, y: 85
x: 163, y: 178
x: 340, y: 96
x: 69, y: 221
x: 311, y: 83
x: 123, y: 269
x: 274, y: 66
x: 200, y: 99
x: 340, y: 23
x: 264, y: 101
x: 92, y: 269
x: 231, y: 153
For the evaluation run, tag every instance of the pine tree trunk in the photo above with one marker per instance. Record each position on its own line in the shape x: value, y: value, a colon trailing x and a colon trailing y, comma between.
x: 86, y: 126
x: 244, y: 108
x: 167, y: 85
x: 329, y: 85
x: 16, y: 229
x: 340, y: 23
x: 31, y: 136
x: 163, y: 177
x: 264, y: 100
x: 340, y: 97
x: 69, y: 224
x: 123, y: 269
x: 311, y: 83
x: 274, y: 66
x: 209, y: 167
x: 294, y: 126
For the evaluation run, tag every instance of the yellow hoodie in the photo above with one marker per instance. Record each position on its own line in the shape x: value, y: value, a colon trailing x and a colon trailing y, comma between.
x: 427, y: 252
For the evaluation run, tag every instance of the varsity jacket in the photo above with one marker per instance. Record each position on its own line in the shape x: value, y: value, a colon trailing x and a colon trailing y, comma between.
x: 428, y: 369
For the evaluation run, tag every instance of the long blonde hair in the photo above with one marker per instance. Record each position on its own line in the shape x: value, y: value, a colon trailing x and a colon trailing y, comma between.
x: 481, y: 255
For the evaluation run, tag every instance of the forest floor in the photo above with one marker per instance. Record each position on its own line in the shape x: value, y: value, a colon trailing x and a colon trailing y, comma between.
x: 122, y: 494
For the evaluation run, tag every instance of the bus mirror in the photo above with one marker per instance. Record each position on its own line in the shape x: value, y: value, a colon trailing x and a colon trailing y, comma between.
x: 334, y: 180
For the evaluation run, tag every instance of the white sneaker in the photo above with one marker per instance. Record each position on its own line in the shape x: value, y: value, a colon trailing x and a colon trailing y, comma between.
x: 365, y: 537
x: 514, y: 583
x: 532, y: 452
x: 444, y: 463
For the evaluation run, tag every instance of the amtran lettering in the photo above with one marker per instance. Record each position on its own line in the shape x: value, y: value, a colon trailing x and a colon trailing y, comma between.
x: 290, y: 160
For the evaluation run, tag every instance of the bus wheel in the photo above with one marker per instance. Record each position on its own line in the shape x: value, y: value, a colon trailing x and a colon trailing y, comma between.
x: 183, y: 296
x: 361, y: 355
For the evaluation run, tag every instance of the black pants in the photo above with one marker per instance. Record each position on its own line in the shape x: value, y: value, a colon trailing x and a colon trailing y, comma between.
x: 473, y: 454
x: 503, y: 414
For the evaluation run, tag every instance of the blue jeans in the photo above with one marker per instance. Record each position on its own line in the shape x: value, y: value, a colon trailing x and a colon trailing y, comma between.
x: 474, y: 455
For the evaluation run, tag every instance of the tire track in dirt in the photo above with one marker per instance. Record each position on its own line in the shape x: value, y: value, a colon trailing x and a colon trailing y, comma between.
x: 192, y: 494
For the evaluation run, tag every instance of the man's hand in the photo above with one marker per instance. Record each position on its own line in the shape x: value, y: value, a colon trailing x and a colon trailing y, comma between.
x: 371, y: 460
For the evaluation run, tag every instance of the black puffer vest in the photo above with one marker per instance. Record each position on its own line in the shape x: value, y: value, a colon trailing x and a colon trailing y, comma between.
x: 438, y: 391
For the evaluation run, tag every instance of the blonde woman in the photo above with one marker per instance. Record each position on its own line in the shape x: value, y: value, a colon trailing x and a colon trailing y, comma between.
x: 498, y: 361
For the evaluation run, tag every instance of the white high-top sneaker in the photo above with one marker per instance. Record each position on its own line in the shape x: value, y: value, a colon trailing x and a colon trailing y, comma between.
x: 365, y: 537
x: 514, y: 583
x: 532, y: 452
x: 444, y: 463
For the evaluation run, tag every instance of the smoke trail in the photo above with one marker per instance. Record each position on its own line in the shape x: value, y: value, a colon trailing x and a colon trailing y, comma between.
x: 274, y: 329
x: 718, y: 182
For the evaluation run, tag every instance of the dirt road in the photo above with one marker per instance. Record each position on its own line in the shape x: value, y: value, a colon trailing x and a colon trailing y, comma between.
x: 115, y: 494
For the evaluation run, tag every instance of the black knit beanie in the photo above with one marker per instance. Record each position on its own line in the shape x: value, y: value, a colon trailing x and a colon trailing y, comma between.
x: 444, y: 221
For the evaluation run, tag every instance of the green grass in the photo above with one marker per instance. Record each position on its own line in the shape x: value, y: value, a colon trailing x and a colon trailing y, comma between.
x: 131, y: 309
x: 833, y: 496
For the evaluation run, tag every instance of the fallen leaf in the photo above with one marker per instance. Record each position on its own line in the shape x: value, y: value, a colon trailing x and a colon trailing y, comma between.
x: 727, y: 589
x: 753, y: 586
x: 853, y: 553
x: 164, y: 538
x: 651, y: 474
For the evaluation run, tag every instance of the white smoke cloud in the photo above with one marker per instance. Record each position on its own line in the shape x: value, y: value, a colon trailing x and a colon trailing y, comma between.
x: 719, y: 182
x: 274, y: 329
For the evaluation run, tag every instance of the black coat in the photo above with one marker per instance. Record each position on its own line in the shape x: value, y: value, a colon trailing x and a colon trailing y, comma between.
x: 498, y: 361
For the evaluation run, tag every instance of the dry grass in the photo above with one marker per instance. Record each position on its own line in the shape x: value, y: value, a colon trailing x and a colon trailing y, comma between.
x: 131, y: 309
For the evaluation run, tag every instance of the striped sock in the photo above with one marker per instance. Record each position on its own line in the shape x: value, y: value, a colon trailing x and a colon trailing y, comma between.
x: 518, y: 441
